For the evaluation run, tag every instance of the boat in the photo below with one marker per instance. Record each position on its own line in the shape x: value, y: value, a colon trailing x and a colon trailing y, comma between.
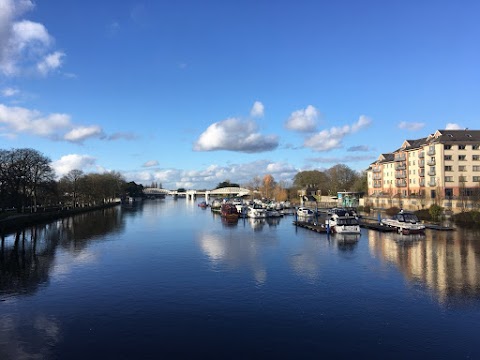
x: 229, y: 212
x: 203, y: 204
x: 304, y: 212
x: 343, y: 221
x: 256, y: 212
x: 405, y: 222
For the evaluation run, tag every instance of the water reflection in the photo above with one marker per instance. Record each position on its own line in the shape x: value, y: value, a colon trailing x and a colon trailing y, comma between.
x: 347, y: 242
x: 446, y: 262
x: 235, y: 251
x: 27, y: 257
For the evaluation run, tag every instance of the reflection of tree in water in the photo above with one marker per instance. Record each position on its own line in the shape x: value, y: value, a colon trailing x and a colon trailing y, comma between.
x: 27, y: 256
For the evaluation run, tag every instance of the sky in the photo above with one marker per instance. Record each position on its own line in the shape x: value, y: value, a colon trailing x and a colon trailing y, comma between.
x: 192, y: 93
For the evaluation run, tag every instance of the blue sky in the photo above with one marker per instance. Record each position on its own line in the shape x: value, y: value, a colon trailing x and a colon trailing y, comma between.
x: 191, y: 93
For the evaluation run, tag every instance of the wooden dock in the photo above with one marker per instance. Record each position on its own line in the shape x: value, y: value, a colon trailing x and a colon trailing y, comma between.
x: 311, y: 226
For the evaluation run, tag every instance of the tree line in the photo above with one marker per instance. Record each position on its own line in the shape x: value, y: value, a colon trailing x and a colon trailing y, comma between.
x: 27, y: 181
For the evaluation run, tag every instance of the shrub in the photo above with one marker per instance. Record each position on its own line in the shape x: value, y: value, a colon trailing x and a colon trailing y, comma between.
x: 468, y: 218
x: 424, y: 215
x: 436, y: 212
x: 392, y: 211
x: 367, y: 209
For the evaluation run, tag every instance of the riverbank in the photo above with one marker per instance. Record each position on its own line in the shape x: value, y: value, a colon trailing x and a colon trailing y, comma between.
x: 20, y: 221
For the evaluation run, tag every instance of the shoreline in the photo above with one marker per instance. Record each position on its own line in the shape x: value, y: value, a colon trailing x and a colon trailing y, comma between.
x: 21, y: 221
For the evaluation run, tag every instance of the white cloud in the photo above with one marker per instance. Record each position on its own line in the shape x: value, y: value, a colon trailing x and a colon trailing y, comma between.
x: 19, y: 119
x: 81, y: 133
x: 332, y: 139
x: 25, y: 44
x: 234, y: 134
x: 452, y: 126
x: 9, y: 92
x: 73, y: 162
x: 411, y: 126
x: 210, y: 176
x: 304, y: 120
x: 150, y: 163
x: 257, y: 110
x: 50, y: 62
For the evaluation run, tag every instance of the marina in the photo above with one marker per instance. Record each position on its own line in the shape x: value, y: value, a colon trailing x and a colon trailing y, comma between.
x: 144, y: 282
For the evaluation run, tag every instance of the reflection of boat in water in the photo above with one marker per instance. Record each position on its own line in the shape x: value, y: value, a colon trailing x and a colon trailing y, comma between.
x: 229, y: 212
x: 343, y: 221
x: 405, y: 222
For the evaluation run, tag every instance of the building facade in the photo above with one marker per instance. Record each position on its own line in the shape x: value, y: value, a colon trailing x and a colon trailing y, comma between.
x: 443, y: 169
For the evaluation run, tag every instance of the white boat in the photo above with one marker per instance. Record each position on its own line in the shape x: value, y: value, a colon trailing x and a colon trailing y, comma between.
x: 405, y: 222
x: 304, y: 212
x: 256, y: 212
x: 343, y: 221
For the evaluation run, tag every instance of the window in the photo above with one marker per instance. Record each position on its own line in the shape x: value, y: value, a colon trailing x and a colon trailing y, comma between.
x: 447, y: 157
x: 476, y: 179
x: 448, y: 168
x: 475, y: 157
x: 414, y: 162
x: 476, y: 168
x: 462, y: 168
x: 462, y: 157
x: 447, y: 147
x: 448, y: 178
x: 462, y: 147
x: 475, y: 147
x: 462, y: 179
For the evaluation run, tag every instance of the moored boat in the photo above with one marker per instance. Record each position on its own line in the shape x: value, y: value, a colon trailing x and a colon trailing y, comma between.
x: 304, y: 212
x: 405, y: 222
x: 229, y: 212
x: 343, y: 221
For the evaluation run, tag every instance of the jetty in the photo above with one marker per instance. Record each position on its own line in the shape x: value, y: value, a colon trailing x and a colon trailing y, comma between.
x: 320, y: 228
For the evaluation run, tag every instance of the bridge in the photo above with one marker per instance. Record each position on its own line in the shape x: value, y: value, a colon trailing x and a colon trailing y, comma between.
x: 192, y: 194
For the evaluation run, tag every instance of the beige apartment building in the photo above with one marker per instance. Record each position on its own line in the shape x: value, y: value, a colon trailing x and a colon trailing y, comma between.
x: 443, y: 169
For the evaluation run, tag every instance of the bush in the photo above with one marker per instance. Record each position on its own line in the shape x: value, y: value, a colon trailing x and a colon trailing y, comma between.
x: 367, y: 209
x: 436, y: 212
x: 469, y: 218
x: 424, y: 215
x: 392, y: 211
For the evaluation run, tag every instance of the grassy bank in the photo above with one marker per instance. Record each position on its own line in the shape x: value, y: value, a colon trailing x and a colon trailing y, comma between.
x: 12, y: 222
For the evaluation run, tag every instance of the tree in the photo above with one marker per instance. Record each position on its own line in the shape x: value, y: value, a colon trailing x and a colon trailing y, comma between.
x: 226, y: 183
x: 268, y: 184
x: 70, y: 184
x: 341, y: 177
x: 311, y: 178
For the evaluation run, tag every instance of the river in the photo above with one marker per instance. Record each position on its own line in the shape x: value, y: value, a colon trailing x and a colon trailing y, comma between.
x: 171, y: 280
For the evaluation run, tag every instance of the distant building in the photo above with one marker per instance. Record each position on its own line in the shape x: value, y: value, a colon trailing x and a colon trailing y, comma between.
x: 442, y: 168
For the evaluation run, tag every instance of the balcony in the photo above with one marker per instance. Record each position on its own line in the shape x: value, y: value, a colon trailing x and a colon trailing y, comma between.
x: 432, y: 183
x: 431, y: 172
x: 431, y: 152
x: 431, y: 162
x: 422, y: 182
x: 400, y: 175
x: 400, y: 166
x: 421, y: 173
x: 421, y: 155
x: 421, y: 163
x: 400, y: 183
x: 377, y: 170
x: 400, y: 157
x: 377, y: 186
x: 377, y: 176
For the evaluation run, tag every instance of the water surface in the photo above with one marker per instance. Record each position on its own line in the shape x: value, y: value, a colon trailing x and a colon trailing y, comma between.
x: 171, y: 280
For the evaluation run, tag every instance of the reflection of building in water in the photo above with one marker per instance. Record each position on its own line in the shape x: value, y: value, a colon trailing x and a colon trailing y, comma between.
x: 446, y: 262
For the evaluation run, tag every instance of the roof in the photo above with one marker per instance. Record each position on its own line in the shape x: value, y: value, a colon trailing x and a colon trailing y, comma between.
x: 447, y: 136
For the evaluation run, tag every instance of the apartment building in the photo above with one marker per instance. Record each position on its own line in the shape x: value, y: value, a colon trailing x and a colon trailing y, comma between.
x: 441, y: 168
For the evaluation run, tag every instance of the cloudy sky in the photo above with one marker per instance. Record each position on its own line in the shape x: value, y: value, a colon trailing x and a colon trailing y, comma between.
x: 192, y: 93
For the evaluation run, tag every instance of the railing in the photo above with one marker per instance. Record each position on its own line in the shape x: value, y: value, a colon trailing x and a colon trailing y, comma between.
x: 400, y: 166
x: 377, y: 185
x: 431, y: 172
x: 431, y: 162
x: 421, y: 172
x: 431, y: 152
x: 400, y: 175
x: 377, y: 177
x: 400, y: 157
x: 421, y: 163
x: 432, y: 183
x: 376, y: 170
x: 421, y: 155
x: 400, y: 183
x: 422, y: 182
